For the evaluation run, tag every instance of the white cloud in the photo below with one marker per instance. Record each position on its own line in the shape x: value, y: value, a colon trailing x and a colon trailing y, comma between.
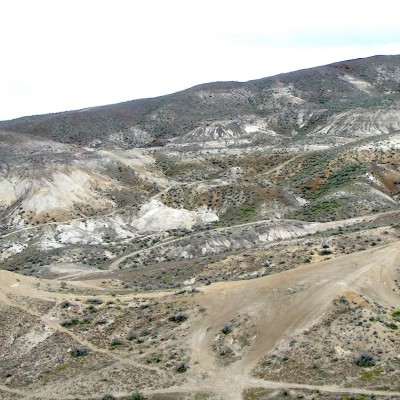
x: 58, y: 55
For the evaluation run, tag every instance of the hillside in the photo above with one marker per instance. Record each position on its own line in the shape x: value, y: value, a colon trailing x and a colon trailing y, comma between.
x: 299, y: 102
x: 230, y: 241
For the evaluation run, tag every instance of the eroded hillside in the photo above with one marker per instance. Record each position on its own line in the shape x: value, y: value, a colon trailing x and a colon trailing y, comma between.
x: 234, y: 240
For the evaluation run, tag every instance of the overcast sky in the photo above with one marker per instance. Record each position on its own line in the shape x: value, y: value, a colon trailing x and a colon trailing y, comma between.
x: 59, y: 55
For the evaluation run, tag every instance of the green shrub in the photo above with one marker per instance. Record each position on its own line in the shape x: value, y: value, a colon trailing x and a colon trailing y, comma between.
x: 396, y: 314
x: 136, y: 396
x: 391, y: 325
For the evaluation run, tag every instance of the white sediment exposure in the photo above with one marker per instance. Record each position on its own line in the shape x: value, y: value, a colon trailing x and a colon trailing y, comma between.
x: 252, y: 128
x: 138, y: 160
x: 393, y: 143
x: 372, y: 179
x: 358, y: 83
x: 281, y: 232
x: 58, y: 190
x: 48, y: 243
x: 155, y: 216
x: 33, y: 338
x: 93, y: 230
x: 70, y: 268
x: 11, y: 189
x: 15, y: 248
x: 360, y: 123
x: 7, y: 194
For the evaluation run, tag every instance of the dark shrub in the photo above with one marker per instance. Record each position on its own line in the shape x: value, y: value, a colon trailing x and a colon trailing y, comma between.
x: 65, y: 304
x: 94, y: 301
x: 136, y: 396
x: 80, y: 352
x: 144, y: 332
x: 325, y: 252
x: 116, y: 342
x: 226, y: 329
x: 391, y: 325
x: 365, y: 359
x: 182, y: 367
x: 178, y: 318
x: 70, y: 322
x: 75, y: 321
x: 91, y: 308
x: 108, y: 397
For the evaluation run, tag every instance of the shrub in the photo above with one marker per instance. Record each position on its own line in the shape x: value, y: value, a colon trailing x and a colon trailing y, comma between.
x: 154, y: 359
x: 365, y: 359
x: 182, y: 367
x: 325, y: 252
x: 80, y: 352
x: 75, y: 321
x: 180, y: 317
x: 94, y: 301
x: 108, y: 397
x: 391, y: 325
x: 136, y: 396
x: 132, y: 335
x: 396, y: 314
x: 116, y: 342
x: 65, y: 304
x: 92, y: 308
x: 144, y: 332
x: 70, y: 322
x: 226, y: 329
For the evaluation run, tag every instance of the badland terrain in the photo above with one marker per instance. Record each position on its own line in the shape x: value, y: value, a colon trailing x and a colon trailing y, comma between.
x: 230, y: 241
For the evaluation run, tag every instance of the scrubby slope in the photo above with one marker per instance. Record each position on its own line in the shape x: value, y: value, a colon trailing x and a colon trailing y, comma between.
x: 297, y: 102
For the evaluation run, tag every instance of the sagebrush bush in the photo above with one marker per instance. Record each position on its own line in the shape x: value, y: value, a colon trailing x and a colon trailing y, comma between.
x: 180, y: 317
x: 80, y: 351
x: 365, y: 359
x: 116, y: 342
x: 182, y: 367
x: 132, y: 335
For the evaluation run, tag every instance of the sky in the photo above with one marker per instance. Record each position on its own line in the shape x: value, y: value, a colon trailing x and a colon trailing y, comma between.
x: 59, y: 55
